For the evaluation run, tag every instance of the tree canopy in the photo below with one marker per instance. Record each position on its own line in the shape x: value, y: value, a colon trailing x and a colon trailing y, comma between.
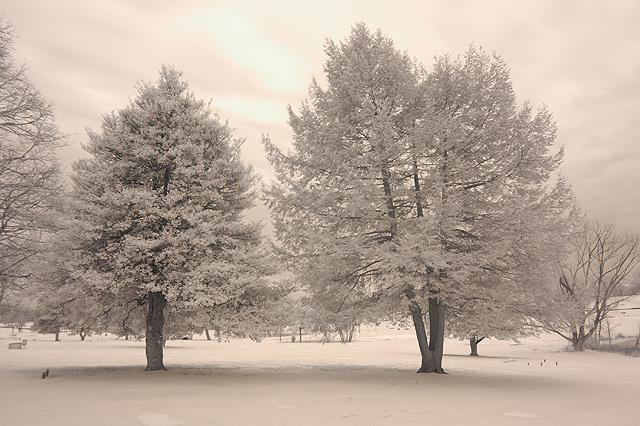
x: 418, y: 186
x: 158, y: 207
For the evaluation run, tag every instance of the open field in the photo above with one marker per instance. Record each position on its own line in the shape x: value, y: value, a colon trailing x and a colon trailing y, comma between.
x: 368, y: 382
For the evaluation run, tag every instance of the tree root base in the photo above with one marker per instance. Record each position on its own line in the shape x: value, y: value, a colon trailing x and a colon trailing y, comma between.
x: 163, y: 368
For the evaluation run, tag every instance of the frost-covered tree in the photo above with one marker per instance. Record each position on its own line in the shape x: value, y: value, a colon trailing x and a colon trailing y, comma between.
x: 418, y: 188
x: 158, y: 208
x: 603, y: 261
x: 492, y: 213
x: 504, y: 319
x: 334, y: 202
x: 17, y: 312
x: 341, y: 314
x: 29, y: 170
x: 62, y: 301
x: 258, y: 312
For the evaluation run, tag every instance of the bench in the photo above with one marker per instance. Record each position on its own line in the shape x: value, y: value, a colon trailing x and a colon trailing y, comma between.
x: 18, y: 345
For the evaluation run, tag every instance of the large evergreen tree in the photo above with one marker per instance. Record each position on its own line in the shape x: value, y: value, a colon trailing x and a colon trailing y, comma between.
x: 158, y: 208
x: 417, y: 189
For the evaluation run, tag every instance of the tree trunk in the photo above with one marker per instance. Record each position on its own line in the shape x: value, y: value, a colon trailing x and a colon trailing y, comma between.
x: 57, y: 333
x: 578, y: 339
x: 206, y: 332
x: 429, y: 363
x: 155, y: 329
x: 473, y: 342
x: 3, y: 288
x: 436, y: 327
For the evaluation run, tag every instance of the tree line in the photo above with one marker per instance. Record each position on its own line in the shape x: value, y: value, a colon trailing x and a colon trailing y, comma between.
x: 427, y: 196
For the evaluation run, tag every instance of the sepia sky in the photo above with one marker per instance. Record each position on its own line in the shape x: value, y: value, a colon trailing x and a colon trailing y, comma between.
x: 252, y: 58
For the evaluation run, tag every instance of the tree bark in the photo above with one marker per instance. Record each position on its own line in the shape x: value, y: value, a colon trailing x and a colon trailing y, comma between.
x: 474, y: 346
x: 578, y: 339
x: 429, y: 364
x: 436, y: 327
x: 2, y: 290
x: 473, y: 342
x: 155, y: 331
x: 206, y: 332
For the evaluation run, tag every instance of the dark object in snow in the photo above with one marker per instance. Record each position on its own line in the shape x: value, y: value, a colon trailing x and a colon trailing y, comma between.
x: 16, y: 345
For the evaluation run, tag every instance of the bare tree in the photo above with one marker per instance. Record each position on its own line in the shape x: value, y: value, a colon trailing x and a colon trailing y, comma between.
x: 29, y: 170
x: 603, y: 261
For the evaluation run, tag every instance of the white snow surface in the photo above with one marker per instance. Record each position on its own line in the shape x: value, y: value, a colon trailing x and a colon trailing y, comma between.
x: 371, y: 381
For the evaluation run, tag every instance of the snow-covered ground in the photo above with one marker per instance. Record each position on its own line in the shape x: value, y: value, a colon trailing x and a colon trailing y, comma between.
x: 368, y: 382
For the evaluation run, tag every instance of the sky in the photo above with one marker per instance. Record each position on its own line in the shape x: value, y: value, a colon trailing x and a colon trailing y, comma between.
x: 253, y: 58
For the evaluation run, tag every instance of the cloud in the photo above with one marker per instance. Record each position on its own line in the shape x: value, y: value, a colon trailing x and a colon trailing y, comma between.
x: 252, y: 57
x: 243, y: 39
x: 262, y: 110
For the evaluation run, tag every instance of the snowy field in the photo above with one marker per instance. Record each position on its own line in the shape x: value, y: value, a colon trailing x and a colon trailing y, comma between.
x: 368, y: 382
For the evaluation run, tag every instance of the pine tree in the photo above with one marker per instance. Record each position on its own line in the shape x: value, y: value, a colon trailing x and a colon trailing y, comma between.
x: 158, y: 208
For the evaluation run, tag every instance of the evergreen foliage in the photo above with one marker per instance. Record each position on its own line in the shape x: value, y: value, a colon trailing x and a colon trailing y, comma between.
x: 158, y: 208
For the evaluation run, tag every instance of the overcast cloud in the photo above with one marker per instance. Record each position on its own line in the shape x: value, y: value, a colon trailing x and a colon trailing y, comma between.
x: 253, y: 58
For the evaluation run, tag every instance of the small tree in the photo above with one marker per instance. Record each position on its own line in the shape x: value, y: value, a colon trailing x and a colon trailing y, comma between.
x: 585, y: 296
x: 17, y: 314
x: 477, y: 321
x: 158, y: 208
